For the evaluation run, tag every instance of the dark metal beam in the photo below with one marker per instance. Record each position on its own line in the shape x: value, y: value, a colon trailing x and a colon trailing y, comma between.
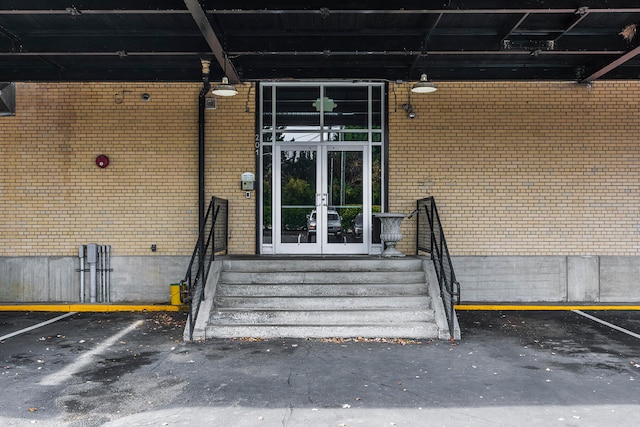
x: 15, y: 40
x: 580, y: 15
x: 200, y: 16
x: 515, y: 27
x: 425, y: 42
x: 120, y: 53
x: 329, y: 53
x: 51, y: 62
x: 409, y: 11
x: 312, y: 11
x: 615, y: 64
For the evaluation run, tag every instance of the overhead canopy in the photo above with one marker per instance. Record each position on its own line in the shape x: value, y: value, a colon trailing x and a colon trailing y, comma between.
x: 164, y: 40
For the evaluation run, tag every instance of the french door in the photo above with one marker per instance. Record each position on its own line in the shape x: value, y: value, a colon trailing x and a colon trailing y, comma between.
x: 321, y: 198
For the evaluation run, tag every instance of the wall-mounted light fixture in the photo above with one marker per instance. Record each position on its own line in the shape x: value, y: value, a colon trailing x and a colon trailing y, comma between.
x: 409, y: 109
x: 423, y: 86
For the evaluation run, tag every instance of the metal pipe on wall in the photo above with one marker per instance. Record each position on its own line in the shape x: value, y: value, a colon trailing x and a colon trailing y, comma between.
x: 81, y: 256
x: 103, y: 277
x: 206, y: 87
x: 99, y: 259
x: 92, y: 259
x: 104, y: 273
x: 107, y: 273
x: 99, y: 270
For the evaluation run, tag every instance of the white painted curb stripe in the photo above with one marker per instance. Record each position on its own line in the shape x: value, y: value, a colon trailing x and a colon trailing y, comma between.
x: 39, y: 325
x: 611, y: 325
x: 86, y: 358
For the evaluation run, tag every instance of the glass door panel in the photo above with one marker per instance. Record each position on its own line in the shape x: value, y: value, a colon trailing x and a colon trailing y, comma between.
x: 345, y: 184
x: 297, y: 184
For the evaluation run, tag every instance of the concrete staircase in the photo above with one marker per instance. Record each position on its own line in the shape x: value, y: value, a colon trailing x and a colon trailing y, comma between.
x: 320, y: 297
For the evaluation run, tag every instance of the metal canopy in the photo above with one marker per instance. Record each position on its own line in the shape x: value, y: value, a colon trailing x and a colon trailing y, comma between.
x: 144, y: 40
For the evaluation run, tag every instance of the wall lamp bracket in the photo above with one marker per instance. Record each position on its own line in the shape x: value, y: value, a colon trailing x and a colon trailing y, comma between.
x: 409, y: 109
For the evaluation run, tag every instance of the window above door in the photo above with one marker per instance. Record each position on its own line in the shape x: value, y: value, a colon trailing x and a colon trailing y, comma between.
x: 321, y: 112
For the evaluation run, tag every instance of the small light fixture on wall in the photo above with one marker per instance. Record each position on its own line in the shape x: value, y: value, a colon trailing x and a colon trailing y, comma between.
x: 423, y: 86
x: 409, y: 109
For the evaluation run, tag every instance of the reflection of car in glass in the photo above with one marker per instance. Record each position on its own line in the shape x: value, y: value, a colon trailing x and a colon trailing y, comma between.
x: 334, y: 224
x: 356, y: 225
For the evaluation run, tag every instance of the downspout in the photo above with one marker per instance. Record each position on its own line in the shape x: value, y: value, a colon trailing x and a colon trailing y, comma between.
x: 206, y: 86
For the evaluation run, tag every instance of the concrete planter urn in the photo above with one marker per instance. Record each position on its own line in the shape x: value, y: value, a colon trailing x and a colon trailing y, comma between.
x: 390, y: 234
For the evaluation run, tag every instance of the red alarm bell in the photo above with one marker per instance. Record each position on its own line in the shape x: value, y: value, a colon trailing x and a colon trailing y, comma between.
x: 102, y: 161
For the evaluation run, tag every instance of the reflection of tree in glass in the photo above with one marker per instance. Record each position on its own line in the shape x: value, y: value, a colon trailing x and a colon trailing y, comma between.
x: 298, y: 187
x: 267, y: 175
x: 376, y: 177
x: 345, y: 173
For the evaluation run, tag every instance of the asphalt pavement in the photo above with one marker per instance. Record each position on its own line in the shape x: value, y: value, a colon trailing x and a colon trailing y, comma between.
x: 511, y: 368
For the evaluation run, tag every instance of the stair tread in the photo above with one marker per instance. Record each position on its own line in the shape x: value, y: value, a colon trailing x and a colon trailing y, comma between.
x: 308, y: 310
x: 419, y: 331
x: 405, y: 295
x: 326, y: 325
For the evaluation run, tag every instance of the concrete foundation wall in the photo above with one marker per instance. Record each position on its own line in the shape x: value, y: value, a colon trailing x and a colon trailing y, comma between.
x: 56, y: 279
x: 549, y: 279
x: 482, y: 279
x: 620, y: 279
x: 146, y: 278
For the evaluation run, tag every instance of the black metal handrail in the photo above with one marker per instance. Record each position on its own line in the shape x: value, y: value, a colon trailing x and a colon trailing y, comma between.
x: 212, y: 239
x: 430, y: 239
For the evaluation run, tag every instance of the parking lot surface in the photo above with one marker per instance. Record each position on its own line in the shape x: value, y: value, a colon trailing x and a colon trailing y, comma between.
x: 512, y: 368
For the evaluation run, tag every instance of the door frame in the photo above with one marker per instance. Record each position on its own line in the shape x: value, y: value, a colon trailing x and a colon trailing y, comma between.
x: 266, y: 148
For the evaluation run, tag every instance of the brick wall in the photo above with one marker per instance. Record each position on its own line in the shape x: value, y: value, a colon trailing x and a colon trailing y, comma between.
x: 53, y: 197
x: 231, y: 152
x: 517, y: 168
x: 521, y: 168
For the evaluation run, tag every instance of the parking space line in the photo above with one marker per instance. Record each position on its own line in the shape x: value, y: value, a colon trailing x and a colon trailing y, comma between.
x: 39, y: 325
x: 603, y: 322
x: 86, y: 358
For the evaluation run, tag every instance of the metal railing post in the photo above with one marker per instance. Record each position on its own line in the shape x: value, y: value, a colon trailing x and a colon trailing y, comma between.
x: 203, y: 256
x: 437, y: 247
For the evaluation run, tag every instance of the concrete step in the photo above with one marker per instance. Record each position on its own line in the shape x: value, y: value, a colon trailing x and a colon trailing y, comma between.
x: 325, y: 303
x: 319, y: 317
x: 320, y: 289
x: 322, y: 297
x: 418, y: 330
x: 314, y: 277
x: 322, y: 264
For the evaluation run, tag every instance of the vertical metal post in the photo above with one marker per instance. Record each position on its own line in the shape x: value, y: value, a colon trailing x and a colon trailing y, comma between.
x: 206, y: 86
x: 81, y: 256
x: 92, y: 259
x: 107, y: 273
x: 101, y: 272
x: 201, y: 154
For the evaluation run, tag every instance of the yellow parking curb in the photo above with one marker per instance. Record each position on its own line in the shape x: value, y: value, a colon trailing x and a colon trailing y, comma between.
x: 92, y: 308
x: 523, y: 307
